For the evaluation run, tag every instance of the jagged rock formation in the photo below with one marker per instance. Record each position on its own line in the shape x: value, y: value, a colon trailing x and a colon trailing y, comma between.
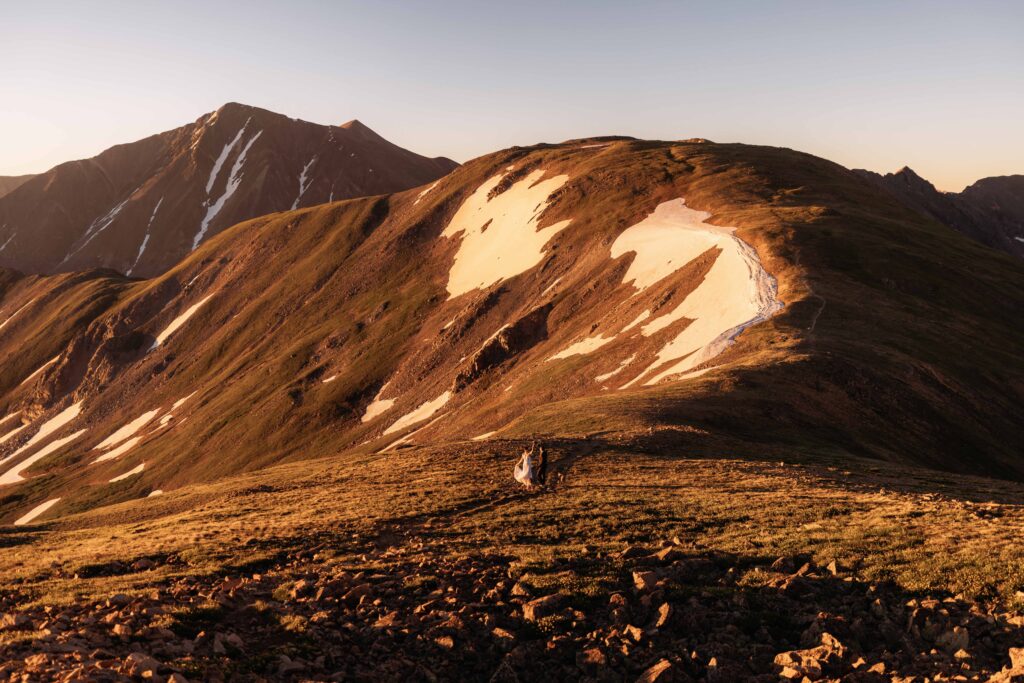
x: 990, y: 211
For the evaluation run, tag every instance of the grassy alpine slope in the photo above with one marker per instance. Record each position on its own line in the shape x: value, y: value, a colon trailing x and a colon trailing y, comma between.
x: 862, y: 359
x: 324, y: 507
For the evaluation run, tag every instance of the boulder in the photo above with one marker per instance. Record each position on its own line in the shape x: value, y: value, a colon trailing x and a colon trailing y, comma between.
x: 542, y: 607
x: 645, y: 581
x: 955, y: 639
x: 140, y: 664
x: 661, y: 672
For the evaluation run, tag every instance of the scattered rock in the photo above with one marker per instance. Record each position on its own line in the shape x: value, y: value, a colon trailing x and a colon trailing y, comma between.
x: 661, y: 672
x: 15, y: 622
x: 591, y: 658
x: 140, y: 664
x: 542, y: 607
x: 669, y: 554
x: 955, y: 639
x: 664, y: 614
x: 645, y: 581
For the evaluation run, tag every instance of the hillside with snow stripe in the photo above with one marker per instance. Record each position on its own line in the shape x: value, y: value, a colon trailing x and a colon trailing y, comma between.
x: 141, y: 207
x: 681, y: 295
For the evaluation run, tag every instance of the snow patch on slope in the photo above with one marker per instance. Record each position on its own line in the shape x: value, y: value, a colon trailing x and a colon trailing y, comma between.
x: 620, y: 368
x: 736, y: 292
x: 424, y: 192
x: 408, y: 437
x: 178, y: 322
x: 500, y: 238
x: 130, y: 473
x: 224, y: 154
x: 145, y: 238
x: 378, y: 405
x: 421, y: 413
x: 12, y: 315
x: 583, y: 346
x: 303, y: 182
x: 234, y: 180
x: 126, y: 431
x: 35, y: 512
x: 177, y: 404
x: 49, y: 427
x: 484, y: 436
x: 38, y: 370
x: 14, y: 475
x: 6, y: 437
x: 99, y: 225
x: 119, y: 451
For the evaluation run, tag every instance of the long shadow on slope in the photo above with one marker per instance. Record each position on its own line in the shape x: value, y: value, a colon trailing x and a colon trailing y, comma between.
x: 827, y: 464
x: 12, y: 536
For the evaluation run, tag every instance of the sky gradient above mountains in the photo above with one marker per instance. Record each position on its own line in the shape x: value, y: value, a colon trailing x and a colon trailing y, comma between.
x: 936, y: 86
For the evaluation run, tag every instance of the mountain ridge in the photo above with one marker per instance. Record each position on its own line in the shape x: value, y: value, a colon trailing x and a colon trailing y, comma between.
x: 10, y: 183
x: 139, y: 207
x: 391, y: 327
x: 778, y: 410
x: 975, y: 212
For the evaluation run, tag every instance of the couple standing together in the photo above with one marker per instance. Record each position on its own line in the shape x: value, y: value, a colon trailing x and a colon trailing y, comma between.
x: 532, y: 468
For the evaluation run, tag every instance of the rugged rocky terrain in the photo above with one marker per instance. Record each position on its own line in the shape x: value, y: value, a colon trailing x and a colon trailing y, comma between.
x: 139, y: 208
x: 780, y: 406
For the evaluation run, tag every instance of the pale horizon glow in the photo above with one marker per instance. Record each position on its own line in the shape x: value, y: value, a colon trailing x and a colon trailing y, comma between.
x: 937, y: 86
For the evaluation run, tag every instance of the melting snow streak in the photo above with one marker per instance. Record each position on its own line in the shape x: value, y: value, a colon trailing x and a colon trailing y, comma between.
x: 304, y: 183
x: 224, y: 154
x: 234, y: 180
x: 35, y: 512
x: 145, y: 239
x: 178, y: 322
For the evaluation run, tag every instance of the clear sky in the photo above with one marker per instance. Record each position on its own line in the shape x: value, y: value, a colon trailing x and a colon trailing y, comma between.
x: 938, y: 86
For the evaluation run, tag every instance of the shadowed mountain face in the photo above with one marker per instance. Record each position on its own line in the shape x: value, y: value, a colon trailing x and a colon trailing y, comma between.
x: 12, y: 182
x: 141, y: 207
x: 680, y: 297
x: 990, y: 211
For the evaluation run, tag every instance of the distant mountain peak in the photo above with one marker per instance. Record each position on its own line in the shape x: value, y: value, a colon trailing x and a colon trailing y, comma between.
x: 911, y: 178
x: 359, y: 128
x: 241, y: 107
x: 990, y: 211
x: 229, y: 165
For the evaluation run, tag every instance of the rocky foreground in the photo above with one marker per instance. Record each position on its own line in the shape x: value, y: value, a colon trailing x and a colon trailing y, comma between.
x: 416, y: 614
x: 335, y: 574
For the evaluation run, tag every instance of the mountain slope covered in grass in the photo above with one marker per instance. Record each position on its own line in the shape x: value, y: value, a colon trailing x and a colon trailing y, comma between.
x: 676, y: 295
